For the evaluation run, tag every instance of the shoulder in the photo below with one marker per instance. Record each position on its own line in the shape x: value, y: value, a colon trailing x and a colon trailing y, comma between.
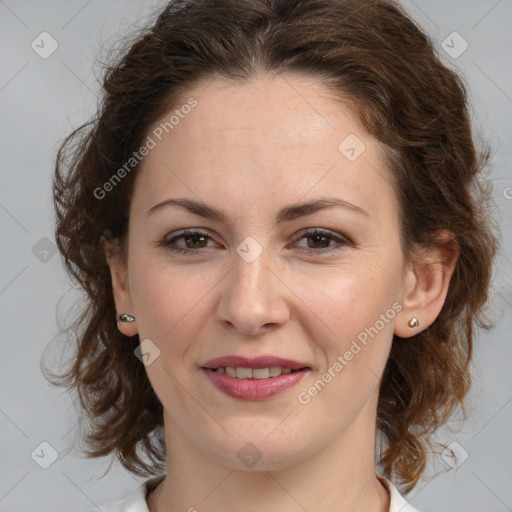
x: 135, y: 501
x: 398, y: 502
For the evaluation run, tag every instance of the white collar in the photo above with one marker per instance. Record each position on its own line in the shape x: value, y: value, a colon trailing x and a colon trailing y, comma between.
x: 135, y: 501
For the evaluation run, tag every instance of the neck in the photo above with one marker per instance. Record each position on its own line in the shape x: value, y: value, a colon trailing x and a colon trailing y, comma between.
x: 340, y: 477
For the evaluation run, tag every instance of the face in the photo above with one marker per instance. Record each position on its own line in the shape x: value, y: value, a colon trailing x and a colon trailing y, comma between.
x: 265, y: 277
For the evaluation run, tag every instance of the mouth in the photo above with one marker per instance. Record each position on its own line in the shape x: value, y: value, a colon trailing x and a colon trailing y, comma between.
x: 255, y: 373
x: 254, y: 378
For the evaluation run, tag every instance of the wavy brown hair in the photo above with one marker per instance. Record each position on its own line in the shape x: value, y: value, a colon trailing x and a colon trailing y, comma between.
x: 369, y: 51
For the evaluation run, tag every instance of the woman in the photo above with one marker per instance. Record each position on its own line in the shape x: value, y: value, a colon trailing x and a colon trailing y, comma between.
x: 278, y: 218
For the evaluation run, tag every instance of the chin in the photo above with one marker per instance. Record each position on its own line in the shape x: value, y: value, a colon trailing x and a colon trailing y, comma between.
x: 259, y: 452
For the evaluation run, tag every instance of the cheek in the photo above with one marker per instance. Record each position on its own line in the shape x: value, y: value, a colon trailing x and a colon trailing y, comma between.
x: 352, y: 316
x: 170, y: 313
x: 350, y: 338
x: 351, y: 297
x: 166, y: 300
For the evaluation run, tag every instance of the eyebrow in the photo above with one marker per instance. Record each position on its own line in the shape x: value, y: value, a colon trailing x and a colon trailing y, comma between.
x: 286, y: 213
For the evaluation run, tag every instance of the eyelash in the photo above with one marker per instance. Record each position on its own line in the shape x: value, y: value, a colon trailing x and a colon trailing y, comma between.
x: 342, y: 242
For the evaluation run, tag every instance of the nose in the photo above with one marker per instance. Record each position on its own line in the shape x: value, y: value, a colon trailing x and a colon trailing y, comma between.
x: 253, y: 297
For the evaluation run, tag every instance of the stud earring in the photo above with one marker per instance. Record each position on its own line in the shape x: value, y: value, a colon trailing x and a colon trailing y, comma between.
x: 413, y: 322
x: 126, y: 318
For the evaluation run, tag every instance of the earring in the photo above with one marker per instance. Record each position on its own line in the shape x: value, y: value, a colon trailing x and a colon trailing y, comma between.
x: 126, y: 318
x: 413, y: 322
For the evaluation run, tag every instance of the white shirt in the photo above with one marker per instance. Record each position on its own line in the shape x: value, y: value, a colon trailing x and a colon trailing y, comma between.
x: 135, y: 501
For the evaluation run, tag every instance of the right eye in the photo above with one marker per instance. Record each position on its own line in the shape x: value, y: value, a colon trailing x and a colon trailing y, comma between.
x: 190, y: 237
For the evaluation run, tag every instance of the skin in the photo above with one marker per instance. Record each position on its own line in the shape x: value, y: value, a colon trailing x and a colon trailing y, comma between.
x: 249, y: 149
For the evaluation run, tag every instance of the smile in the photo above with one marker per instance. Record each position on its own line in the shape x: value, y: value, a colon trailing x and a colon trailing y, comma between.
x: 253, y: 373
x: 254, y: 378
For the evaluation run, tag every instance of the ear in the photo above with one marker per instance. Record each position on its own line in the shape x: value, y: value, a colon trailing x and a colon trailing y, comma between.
x: 426, y: 286
x: 116, y: 260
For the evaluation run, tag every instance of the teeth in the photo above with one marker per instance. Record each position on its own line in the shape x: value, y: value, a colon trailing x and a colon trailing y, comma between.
x: 243, y: 373
x: 256, y: 373
x: 275, y: 371
x: 260, y: 373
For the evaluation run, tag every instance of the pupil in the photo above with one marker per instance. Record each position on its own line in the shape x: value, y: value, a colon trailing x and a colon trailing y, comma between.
x: 194, y: 238
x: 317, y: 237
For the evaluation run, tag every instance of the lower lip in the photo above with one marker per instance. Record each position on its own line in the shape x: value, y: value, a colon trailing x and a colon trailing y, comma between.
x: 254, y: 389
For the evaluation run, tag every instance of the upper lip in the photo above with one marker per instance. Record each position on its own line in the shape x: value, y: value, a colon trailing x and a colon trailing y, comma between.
x: 253, y: 362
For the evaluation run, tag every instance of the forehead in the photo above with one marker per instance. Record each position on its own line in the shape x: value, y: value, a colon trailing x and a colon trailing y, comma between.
x: 287, y: 110
x: 269, y: 137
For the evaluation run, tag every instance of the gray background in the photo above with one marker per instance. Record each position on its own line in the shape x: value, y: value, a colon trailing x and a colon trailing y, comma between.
x: 43, y: 99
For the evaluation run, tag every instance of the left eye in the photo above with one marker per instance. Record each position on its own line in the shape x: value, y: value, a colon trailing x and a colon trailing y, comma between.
x: 195, y: 240
x: 320, y: 237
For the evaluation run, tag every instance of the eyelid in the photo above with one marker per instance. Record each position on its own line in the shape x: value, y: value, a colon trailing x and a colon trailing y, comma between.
x: 323, y: 231
x: 185, y: 232
x: 341, y: 241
